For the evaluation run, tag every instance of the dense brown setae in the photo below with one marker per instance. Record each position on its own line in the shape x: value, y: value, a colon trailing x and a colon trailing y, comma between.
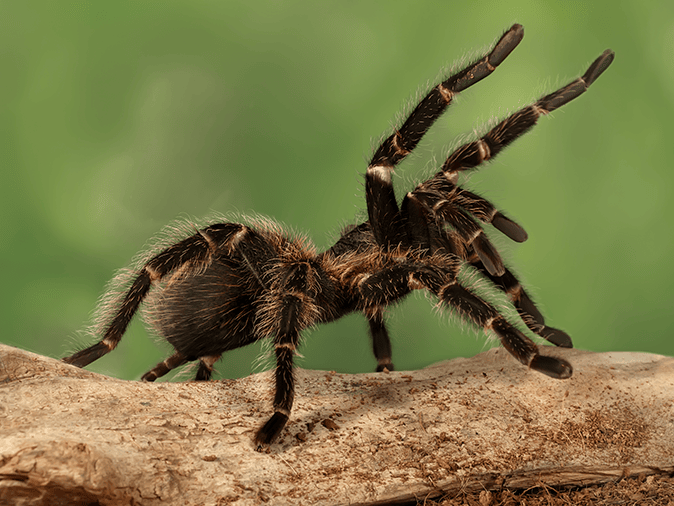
x: 230, y: 284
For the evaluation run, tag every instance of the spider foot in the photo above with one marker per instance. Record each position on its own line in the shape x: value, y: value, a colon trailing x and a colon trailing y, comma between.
x: 551, y: 366
x: 88, y: 355
x: 385, y: 367
x: 270, y: 430
x: 149, y: 376
x: 203, y: 374
x: 509, y: 228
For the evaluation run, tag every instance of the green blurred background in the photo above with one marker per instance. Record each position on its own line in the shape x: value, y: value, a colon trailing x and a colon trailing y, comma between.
x: 118, y: 118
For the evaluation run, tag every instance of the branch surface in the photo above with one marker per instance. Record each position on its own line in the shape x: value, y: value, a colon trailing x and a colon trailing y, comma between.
x: 466, y: 424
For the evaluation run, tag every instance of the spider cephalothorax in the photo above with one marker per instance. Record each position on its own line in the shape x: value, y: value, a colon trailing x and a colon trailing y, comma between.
x: 230, y: 284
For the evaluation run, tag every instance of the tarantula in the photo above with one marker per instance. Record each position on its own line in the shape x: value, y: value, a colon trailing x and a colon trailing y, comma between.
x: 231, y: 284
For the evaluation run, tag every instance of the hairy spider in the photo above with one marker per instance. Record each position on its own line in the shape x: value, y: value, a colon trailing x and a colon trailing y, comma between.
x: 231, y: 284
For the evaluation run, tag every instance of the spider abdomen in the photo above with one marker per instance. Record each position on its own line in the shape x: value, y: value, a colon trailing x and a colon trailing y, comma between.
x: 207, y: 313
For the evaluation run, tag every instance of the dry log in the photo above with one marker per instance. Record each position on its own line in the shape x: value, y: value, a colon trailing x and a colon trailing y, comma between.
x: 69, y: 436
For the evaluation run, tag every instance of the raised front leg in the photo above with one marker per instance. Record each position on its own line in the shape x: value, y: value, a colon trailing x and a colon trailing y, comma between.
x: 382, y: 207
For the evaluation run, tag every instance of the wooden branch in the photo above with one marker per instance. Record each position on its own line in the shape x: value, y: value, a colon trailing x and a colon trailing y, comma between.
x: 466, y: 424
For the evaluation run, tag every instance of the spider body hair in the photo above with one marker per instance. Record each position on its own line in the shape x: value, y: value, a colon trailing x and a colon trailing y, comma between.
x: 228, y: 284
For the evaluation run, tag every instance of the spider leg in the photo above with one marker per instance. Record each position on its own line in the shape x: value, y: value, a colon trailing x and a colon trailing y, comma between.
x: 466, y: 236
x: 441, y: 201
x: 484, y: 211
x: 438, y: 275
x: 474, y: 153
x: 354, y: 239
x: 300, y: 295
x: 462, y: 242
x: 162, y: 368
x: 526, y: 308
x: 285, y: 346
x: 465, y: 242
x: 519, y: 345
x: 381, y: 343
x: 176, y: 360
x: 382, y: 207
x: 195, y: 250
x: 461, y: 208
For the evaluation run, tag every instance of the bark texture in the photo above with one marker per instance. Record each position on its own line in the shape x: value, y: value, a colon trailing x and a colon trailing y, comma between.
x: 69, y: 436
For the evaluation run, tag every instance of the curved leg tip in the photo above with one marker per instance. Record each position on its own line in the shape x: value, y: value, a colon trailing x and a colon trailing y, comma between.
x: 85, y: 357
x: 551, y: 366
x: 509, y: 228
x: 149, y: 376
x: 270, y: 430
x: 385, y: 367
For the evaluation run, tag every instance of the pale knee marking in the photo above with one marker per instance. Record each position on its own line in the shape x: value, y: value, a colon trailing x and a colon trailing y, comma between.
x: 380, y: 173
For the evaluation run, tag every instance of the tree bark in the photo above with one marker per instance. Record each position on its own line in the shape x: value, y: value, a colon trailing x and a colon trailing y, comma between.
x: 70, y: 436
